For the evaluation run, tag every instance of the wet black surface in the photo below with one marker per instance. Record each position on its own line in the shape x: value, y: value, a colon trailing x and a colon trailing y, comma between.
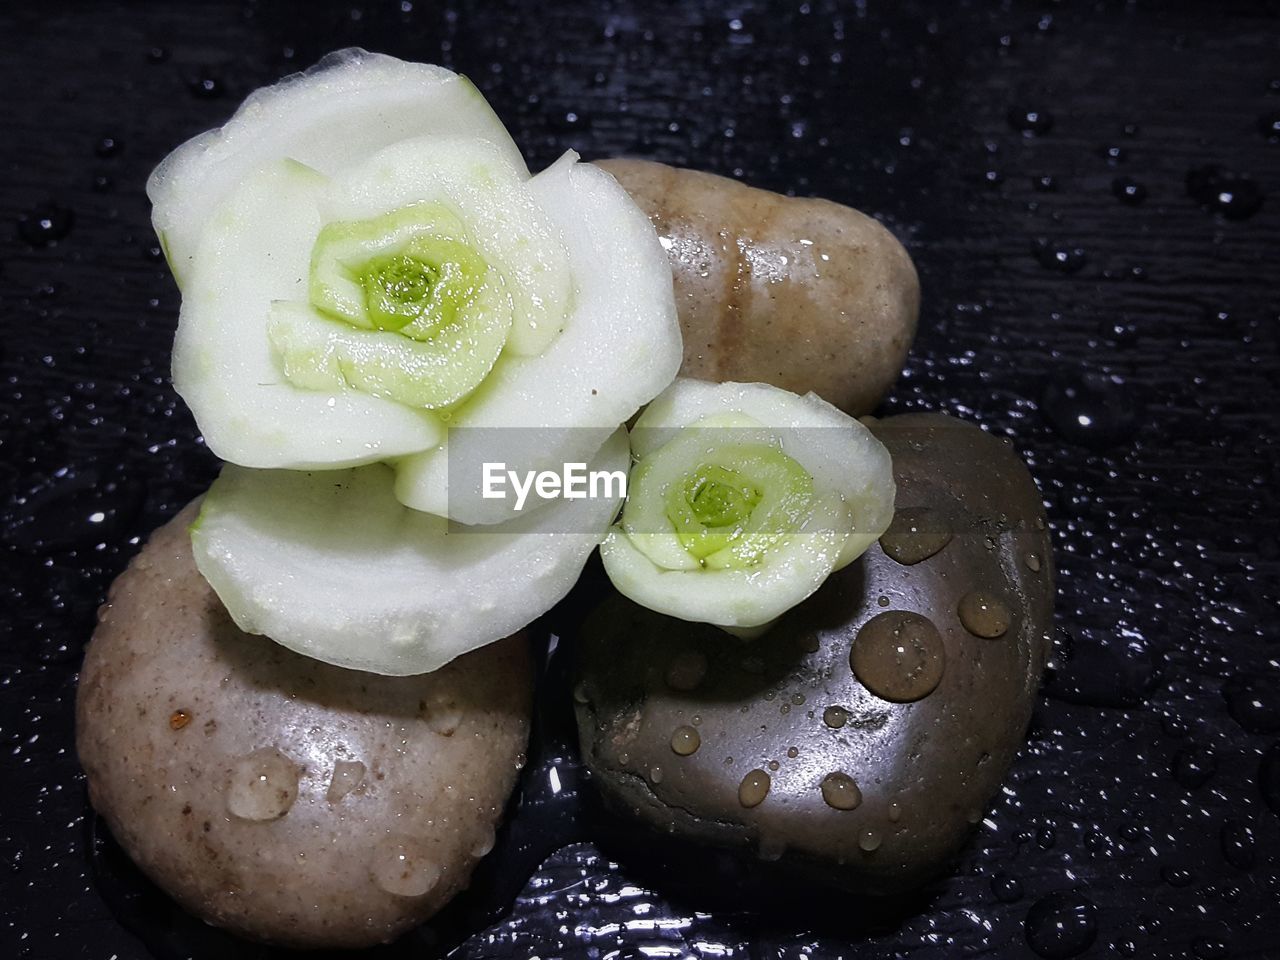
x: 1090, y: 192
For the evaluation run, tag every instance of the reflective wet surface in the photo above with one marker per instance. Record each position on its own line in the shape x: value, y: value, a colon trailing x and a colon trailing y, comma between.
x: 1089, y: 195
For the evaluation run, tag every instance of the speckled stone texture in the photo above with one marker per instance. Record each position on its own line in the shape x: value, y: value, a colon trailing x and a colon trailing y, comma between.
x: 1127, y: 340
x: 801, y: 293
x: 277, y: 796
x: 803, y: 764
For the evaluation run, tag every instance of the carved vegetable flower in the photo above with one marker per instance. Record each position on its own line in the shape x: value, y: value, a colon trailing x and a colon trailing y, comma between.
x: 743, y: 500
x: 373, y: 288
x: 365, y: 261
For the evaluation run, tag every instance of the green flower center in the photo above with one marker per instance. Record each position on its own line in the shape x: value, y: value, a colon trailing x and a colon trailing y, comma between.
x: 730, y: 508
x: 401, y: 306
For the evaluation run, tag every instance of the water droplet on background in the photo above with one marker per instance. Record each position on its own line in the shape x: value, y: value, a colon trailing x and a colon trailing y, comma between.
x: 1007, y: 889
x: 1062, y: 257
x: 1123, y: 331
x: 1254, y: 702
x: 1061, y: 925
x: 205, y: 86
x: 1176, y: 876
x: 1221, y: 191
x: 1193, y: 766
x: 74, y: 509
x: 1113, y: 153
x: 1029, y: 121
x: 1207, y: 948
x: 1238, y: 846
x: 1128, y: 191
x: 1090, y: 410
x: 45, y: 224
x: 1098, y: 668
x: 1269, y: 124
x: 1269, y: 778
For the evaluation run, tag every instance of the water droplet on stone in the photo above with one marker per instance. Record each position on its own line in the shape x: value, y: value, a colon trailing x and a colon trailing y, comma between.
x: 898, y: 656
x: 835, y: 717
x: 402, y: 866
x: 1254, y: 702
x: 348, y: 776
x: 754, y: 788
x: 45, y: 224
x: 1127, y: 190
x: 984, y: 614
x: 685, y: 741
x: 1032, y: 560
x: 1044, y: 184
x: 1030, y: 122
x: 895, y: 812
x: 263, y: 785
x: 771, y: 849
x: 179, y: 719
x: 915, y: 534
x: 1090, y: 410
x: 840, y: 791
x: 1061, y: 925
x: 1176, y: 876
x: 483, y: 846
x: 656, y: 775
x: 107, y: 147
x: 443, y: 715
x: 869, y: 840
x: 687, y: 670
